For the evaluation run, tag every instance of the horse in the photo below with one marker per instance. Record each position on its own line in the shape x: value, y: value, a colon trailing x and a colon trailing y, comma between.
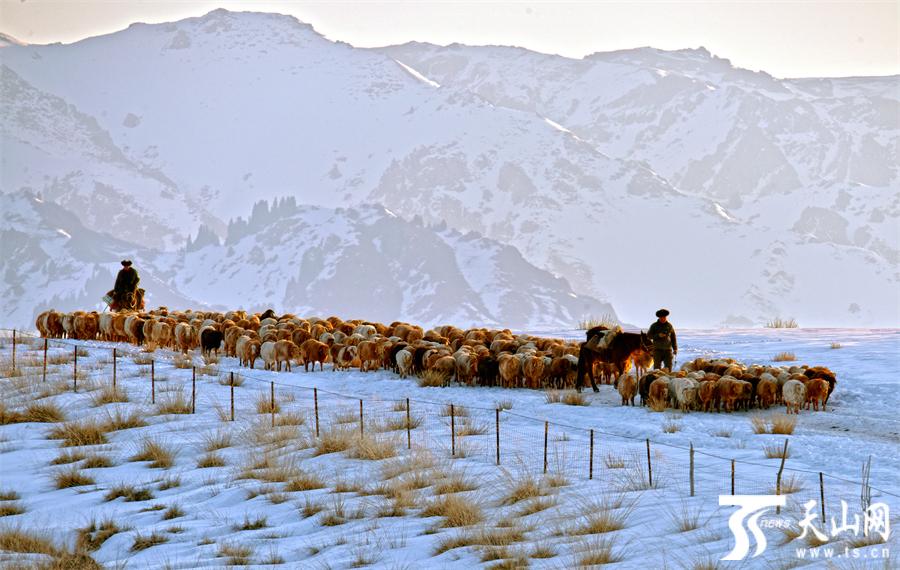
x: 620, y: 349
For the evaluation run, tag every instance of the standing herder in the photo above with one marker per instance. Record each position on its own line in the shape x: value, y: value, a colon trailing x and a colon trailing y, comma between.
x: 665, y: 345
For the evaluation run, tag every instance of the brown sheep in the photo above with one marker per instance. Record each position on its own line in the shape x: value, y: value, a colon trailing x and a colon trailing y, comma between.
x: 628, y: 389
x: 314, y: 351
x: 816, y: 391
x: 707, y: 395
x: 510, y: 368
x: 285, y: 350
x: 533, y: 371
x: 367, y: 351
x: 659, y: 390
x: 766, y: 393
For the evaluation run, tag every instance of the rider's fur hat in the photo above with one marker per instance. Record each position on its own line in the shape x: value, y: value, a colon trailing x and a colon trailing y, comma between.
x: 126, y: 263
x: 662, y: 313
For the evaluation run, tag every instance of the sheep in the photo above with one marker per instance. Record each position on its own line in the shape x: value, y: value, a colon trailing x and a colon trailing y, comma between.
x: 285, y: 350
x: 267, y: 353
x: 404, y: 360
x: 766, y: 391
x: 706, y: 393
x: 685, y: 392
x: 162, y: 334
x: 627, y: 388
x: 313, y: 351
x: 793, y: 393
x: 210, y: 340
x: 816, y: 391
x: 510, y: 368
x: 368, y: 355
x: 659, y: 391
x: 533, y: 371
x: 184, y: 337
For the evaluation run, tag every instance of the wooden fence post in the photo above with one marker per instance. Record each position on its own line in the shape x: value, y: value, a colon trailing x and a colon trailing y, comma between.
x: 649, y: 465
x: 546, y: 436
x: 732, y: 476
x: 193, y: 389
x: 692, y: 468
x: 822, y: 494
x: 361, y: 429
x: 780, y: 470
x: 14, y: 352
x: 114, y: 370
x: 591, y: 458
x: 45, y: 360
x: 75, y: 372
x: 231, y: 378
x: 497, y: 431
x: 452, y: 431
x: 316, y: 405
x: 408, y: 427
x: 272, y: 401
x: 152, y: 381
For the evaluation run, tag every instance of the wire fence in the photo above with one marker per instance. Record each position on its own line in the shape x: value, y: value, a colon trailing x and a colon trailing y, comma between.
x: 487, y: 435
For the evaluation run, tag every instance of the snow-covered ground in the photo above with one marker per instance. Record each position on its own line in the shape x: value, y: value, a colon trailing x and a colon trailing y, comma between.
x: 372, y: 510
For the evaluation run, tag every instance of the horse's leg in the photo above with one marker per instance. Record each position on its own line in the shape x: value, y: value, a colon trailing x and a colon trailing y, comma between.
x: 591, y: 376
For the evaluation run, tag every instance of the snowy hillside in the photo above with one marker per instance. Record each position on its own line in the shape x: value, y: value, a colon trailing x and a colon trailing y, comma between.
x: 365, y: 262
x: 638, y: 176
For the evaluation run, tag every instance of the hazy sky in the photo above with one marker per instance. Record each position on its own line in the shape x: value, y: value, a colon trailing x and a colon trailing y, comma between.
x: 784, y: 38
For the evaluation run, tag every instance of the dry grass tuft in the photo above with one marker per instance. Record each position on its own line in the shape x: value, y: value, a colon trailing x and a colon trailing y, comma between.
x: 658, y: 404
x: 130, y: 493
x: 68, y: 456
x: 335, y: 439
x: 237, y: 554
x: 255, y: 523
x: 11, y: 508
x: 71, y: 477
x: 433, y: 379
x: 537, y: 505
x: 776, y: 451
x: 612, y: 461
x: 836, y: 345
x: 290, y: 419
x: 310, y: 508
x: 670, y: 426
x: 216, y: 441
x: 504, y: 404
x: 784, y: 357
x: 400, y: 423
x: 264, y: 404
x: 174, y: 404
x: 601, y: 521
x: 372, y: 449
x: 781, y: 424
x: 606, y: 319
x: 493, y: 537
x: 225, y: 380
x: 143, y: 542
x: 158, y: 455
x: 598, y: 552
x: 96, y: 461
x: 76, y: 434
x: 211, y: 460
x: 173, y: 512
x: 42, y: 412
x: 456, y: 510
x: 109, y: 395
x: 303, y: 481
x: 687, y: 518
x: 118, y: 421
x: 169, y: 483
x: 9, y: 496
x: 789, y: 485
x: 521, y: 488
x: 779, y: 323
x: 455, y: 482
x: 92, y: 536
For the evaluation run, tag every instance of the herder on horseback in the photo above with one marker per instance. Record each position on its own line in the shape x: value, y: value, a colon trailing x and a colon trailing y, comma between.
x: 126, y: 296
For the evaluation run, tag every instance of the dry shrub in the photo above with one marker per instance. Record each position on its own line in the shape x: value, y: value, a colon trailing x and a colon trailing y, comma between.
x: 169, y: 483
x: 210, y: 460
x: 143, y: 542
x: 109, y: 395
x: 573, y: 398
x: 541, y: 551
x: 670, y: 426
x: 183, y: 361
x: 336, y: 515
x: 92, y: 536
x: 142, y: 359
x: 553, y: 396
x: 130, y: 493
x: 43, y: 412
x: 335, y: 439
x: 157, y: 454
x: 634, y: 477
x: 25, y: 541
x: 776, y: 451
x: 290, y: 419
x: 554, y: 480
x: 789, y: 485
x: 71, y: 477
x: 686, y: 519
x: 607, y: 320
x: 835, y: 345
x: 458, y: 411
x: 469, y: 426
x: 433, y: 379
x: 418, y: 460
x: 456, y: 510
x: 96, y: 461
x: 600, y: 518
x: 784, y: 357
x: 495, y: 537
x: 400, y: 423
x: 176, y: 404
x: 759, y: 424
x: 612, y: 461
x: 783, y: 424
x: 237, y: 554
x: 373, y: 449
x: 277, y: 498
x: 504, y: 405
x: 173, y: 512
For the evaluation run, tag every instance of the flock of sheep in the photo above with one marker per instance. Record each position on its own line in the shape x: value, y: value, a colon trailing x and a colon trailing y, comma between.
x: 487, y: 357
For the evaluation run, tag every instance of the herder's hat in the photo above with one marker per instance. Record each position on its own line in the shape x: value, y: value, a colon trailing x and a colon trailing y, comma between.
x: 126, y: 263
x: 662, y: 313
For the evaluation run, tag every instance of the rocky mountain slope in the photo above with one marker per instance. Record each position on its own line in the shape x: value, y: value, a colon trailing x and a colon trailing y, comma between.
x: 643, y: 177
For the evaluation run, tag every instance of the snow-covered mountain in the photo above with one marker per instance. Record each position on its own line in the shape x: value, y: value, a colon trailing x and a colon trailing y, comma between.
x: 363, y: 262
x: 643, y: 177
